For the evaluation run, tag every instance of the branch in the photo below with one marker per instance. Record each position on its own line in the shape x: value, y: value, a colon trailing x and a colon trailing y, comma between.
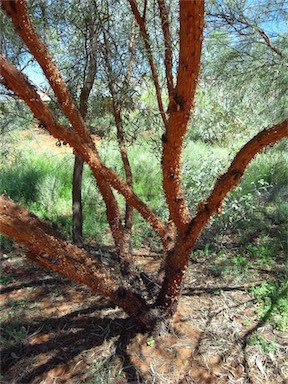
x: 181, y: 103
x: 132, y: 55
x: 18, y: 13
x: 231, y: 19
x: 177, y: 259
x: 112, y: 209
x: 230, y: 179
x: 168, y: 46
x: 142, y: 26
x: 47, y: 248
x: 19, y: 84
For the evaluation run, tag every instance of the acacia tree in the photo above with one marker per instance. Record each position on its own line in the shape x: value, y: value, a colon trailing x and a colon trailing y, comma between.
x: 180, y: 233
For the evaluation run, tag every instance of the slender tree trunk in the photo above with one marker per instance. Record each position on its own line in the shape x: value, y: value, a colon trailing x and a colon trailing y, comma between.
x: 77, y: 211
x: 127, y: 168
x: 77, y: 218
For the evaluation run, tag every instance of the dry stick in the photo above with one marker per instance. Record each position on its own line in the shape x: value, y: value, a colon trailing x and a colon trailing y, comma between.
x: 18, y: 83
x: 168, y: 47
x: 191, y: 35
x: 49, y: 249
x: 177, y: 260
x: 141, y: 23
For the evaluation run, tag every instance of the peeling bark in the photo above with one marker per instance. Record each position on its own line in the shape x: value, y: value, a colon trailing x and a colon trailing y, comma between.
x: 50, y: 250
x: 177, y: 259
x: 181, y: 103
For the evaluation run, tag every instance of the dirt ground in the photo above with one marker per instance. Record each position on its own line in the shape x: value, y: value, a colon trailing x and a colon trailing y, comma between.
x: 54, y: 331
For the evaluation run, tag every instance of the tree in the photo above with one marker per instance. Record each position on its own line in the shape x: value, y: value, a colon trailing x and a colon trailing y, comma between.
x: 180, y: 233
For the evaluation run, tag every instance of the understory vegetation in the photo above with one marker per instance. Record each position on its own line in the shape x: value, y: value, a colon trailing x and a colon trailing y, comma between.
x: 248, y: 237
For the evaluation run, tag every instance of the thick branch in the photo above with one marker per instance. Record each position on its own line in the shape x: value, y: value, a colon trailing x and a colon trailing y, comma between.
x: 177, y: 259
x: 168, y: 47
x: 141, y: 23
x: 49, y: 249
x: 230, y: 179
x: 191, y: 31
x: 18, y: 83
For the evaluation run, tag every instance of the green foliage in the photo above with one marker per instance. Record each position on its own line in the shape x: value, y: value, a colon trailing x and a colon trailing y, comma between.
x: 104, y: 371
x: 6, y: 243
x: 230, y: 267
x: 213, y: 123
x: 258, y: 340
x: 150, y: 341
x: 6, y: 279
x: 13, y: 335
x: 272, y: 299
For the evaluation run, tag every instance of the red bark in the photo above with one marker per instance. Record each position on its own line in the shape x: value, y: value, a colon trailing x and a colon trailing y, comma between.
x: 177, y: 259
x: 191, y: 34
x: 46, y: 246
x: 49, y: 249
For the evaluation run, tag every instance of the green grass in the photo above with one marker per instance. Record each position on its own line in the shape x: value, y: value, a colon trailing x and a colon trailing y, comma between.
x: 13, y: 335
x: 43, y: 184
x: 272, y: 300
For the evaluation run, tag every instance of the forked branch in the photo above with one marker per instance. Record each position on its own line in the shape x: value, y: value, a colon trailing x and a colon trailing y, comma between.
x: 177, y: 259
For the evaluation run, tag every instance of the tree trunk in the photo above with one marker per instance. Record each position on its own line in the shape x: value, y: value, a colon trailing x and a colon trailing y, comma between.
x: 77, y: 212
x: 127, y: 168
x: 77, y: 218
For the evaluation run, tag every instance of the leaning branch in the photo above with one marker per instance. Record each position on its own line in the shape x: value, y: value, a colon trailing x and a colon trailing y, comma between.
x: 18, y: 13
x: 177, y: 259
x: 230, y: 179
x: 47, y: 248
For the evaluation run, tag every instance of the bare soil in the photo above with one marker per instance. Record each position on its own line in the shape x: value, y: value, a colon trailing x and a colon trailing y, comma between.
x: 54, y: 331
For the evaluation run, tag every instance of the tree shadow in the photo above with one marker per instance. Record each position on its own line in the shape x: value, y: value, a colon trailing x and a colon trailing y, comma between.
x: 76, y: 332
x: 33, y: 284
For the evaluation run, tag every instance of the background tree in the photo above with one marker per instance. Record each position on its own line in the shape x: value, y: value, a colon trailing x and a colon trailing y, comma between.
x: 180, y: 233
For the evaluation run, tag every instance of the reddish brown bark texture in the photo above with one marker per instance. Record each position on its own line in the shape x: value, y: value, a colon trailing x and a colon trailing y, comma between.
x: 191, y: 32
x: 177, y: 259
x: 46, y: 246
x: 49, y: 249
